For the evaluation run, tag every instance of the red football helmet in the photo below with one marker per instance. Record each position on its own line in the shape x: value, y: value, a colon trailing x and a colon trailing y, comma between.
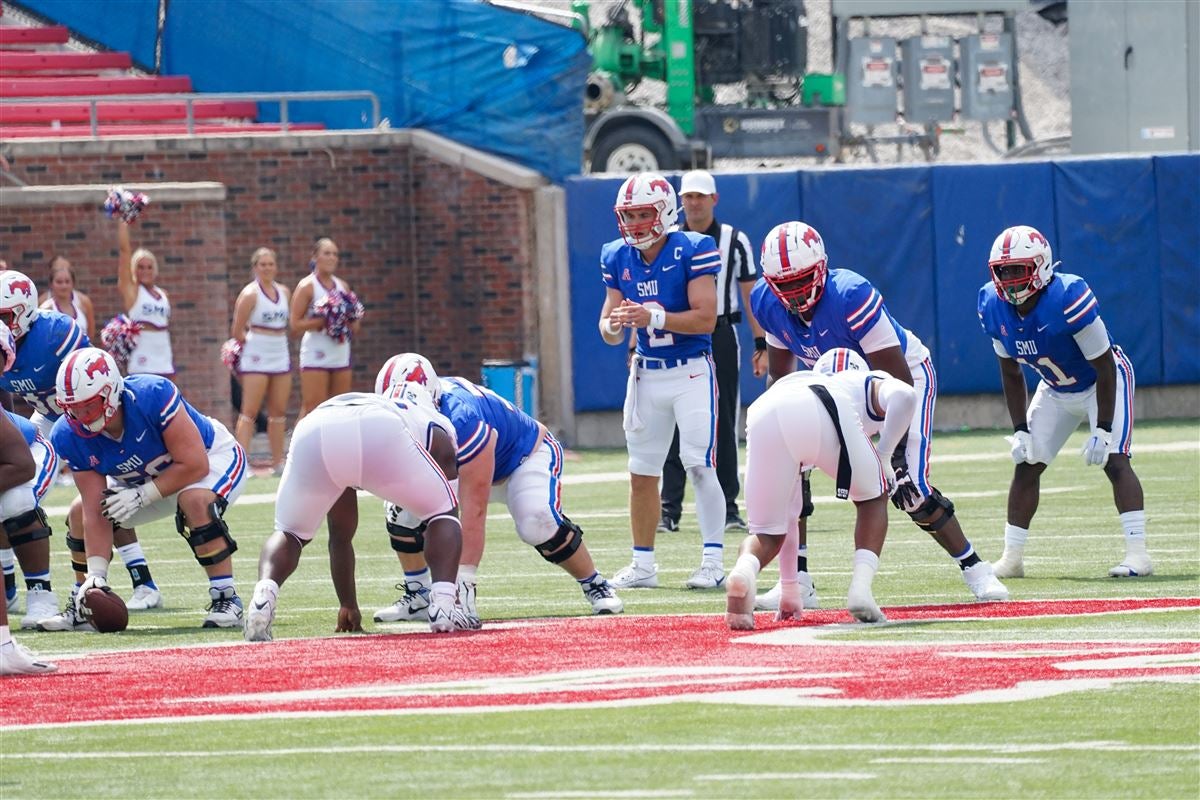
x: 795, y: 265
x: 1021, y: 263
x: 640, y: 196
x: 88, y: 388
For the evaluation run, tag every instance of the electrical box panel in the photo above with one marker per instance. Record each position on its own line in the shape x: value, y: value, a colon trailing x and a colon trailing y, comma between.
x: 987, y: 76
x: 928, y: 70
x: 871, y: 80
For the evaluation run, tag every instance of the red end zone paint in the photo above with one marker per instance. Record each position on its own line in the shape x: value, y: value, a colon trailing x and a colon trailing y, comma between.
x: 594, y: 660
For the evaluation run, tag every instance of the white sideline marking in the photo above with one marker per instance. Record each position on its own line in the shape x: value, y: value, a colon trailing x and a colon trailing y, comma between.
x: 959, y: 760
x: 624, y: 749
x: 605, y: 793
x: 615, y: 477
x: 791, y: 776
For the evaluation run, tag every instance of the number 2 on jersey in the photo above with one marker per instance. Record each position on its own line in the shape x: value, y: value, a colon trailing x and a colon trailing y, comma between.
x: 658, y: 338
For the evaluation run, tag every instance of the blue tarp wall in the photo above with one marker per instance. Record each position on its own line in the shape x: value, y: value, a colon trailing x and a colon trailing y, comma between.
x: 497, y: 80
x: 1130, y: 226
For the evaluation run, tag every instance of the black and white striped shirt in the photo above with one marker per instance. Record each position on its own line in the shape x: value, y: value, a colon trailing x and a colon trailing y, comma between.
x: 737, y: 265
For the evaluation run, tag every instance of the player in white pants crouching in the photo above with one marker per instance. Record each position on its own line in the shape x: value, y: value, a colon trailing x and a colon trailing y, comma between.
x: 400, y: 452
x: 816, y: 419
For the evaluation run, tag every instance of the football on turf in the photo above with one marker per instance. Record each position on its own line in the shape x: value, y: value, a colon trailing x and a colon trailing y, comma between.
x: 108, y: 613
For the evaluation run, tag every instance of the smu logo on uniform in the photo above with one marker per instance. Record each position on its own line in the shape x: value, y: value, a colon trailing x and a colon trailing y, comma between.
x: 23, y: 287
x: 100, y: 365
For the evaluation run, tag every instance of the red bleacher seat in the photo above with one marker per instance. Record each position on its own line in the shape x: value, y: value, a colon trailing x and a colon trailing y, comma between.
x: 35, y: 62
x: 175, y: 129
x: 51, y: 34
x: 150, y: 111
x: 77, y: 86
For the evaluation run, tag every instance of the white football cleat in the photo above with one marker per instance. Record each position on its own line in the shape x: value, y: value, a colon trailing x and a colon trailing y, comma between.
x: 14, y: 603
x: 441, y: 620
x: 707, y: 576
x: 739, y: 599
x: 261, y: 615
x: 144, y: 597
x: 17, y: 660
x: 39, y: 604
x: 634, y: 577
x: 769, y: 601
x: 861, y: 604
x: 602, y: 597
x: 1134, y: 565
x: 981, y: 580
x: 224, y: 610
x: 413, y: 605
x: 1010, y: 565
x: 465, y: 615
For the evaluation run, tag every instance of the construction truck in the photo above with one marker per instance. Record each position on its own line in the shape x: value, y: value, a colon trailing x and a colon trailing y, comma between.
x: 693, y: 46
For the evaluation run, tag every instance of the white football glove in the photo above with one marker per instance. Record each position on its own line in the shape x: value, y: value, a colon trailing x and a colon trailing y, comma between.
x: 119, y: 505
x: 1022, y: 447
x: 1095, y: 449
x: 466, y: 616
x: 90, y: 582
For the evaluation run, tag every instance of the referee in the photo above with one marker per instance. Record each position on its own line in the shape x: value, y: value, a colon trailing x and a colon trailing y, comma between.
x: 699, y: 194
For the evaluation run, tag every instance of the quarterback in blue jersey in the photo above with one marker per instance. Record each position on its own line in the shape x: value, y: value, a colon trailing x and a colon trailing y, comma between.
x: 16, y: 468
x: 44, y: 339
x: 504, y: 455
x: 139, y: 452
x: 808, y: 309
x: 1051, y: 323
x: 663, y: 285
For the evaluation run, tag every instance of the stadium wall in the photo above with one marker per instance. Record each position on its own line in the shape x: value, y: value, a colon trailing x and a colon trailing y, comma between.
x: 437, y: 239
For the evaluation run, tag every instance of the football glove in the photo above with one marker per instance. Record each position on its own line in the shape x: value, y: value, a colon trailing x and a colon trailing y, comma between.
x: 465, y: 615
x: 119, y: 505
x: 90, y: 582
x: 1095, y: 449
x: 1022, y: 447
x: 905, y: 494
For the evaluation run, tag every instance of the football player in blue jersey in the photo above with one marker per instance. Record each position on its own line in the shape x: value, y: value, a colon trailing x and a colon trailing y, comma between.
x: 44, y: 339
x: 139, y: 452
x: 1051, y: 323
x: 663, y: 285
x: 504, y: 455
x: 808, y: 309
x: 16, y: 468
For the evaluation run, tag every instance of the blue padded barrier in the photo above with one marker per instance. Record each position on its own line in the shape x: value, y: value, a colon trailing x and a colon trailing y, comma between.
x: 1108, y: 234
x: 1177, y: 181
x: 972, y: 203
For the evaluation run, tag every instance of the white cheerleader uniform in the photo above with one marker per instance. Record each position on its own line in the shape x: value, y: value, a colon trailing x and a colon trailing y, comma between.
x: 319, y: 350
x: 266, y: 349
x: 74, y: 310
x: 152, y: 350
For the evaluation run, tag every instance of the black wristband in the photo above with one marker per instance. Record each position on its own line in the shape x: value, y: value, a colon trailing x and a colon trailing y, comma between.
x: 1022, y: 428
x: 633, y: 349
x: 1105, y: 424
x: 760, y: 343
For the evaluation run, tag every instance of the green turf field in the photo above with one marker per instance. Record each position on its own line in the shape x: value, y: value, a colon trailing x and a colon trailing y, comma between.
x: 1118, y: 739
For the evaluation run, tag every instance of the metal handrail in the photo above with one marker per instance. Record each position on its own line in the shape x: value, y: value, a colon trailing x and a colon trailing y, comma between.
x: 282, y: 98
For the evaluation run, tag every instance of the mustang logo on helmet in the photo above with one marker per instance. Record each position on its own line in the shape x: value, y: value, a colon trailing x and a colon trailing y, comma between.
x: 24, y: 287
x: 100, y: 365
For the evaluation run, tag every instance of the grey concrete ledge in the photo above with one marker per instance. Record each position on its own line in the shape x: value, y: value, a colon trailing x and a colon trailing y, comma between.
x: 94, y: 194
x: 440, y: 148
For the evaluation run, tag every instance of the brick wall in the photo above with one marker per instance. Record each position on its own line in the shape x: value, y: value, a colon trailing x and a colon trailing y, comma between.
x: 440, y: 255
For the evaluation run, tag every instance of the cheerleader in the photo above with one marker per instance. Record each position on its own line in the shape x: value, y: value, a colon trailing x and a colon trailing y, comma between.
x: 260, y: 324
x: 147, y: 305
x: 64, y: 298
x: 324, y: 360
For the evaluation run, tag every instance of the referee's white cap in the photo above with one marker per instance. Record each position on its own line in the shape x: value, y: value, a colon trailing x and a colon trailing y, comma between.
x: 697, y: 181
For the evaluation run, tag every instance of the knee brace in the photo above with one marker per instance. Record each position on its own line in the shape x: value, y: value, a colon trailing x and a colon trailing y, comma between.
x: 214, y: 530
x: 806, y: 489
x: 925, y: 512
x: 563, y: 544
x: 34, y: 517
x: 407, y: 540
x: 78, y: 553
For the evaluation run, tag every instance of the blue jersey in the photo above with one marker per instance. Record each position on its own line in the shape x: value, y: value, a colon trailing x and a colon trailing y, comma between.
x: 685, y: 257
x: 27, y: 428
x: 475, y: 412
x: 849, y: 308
x: 40, y: 352
x: 149, y: 404
x: 1045, y: 339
